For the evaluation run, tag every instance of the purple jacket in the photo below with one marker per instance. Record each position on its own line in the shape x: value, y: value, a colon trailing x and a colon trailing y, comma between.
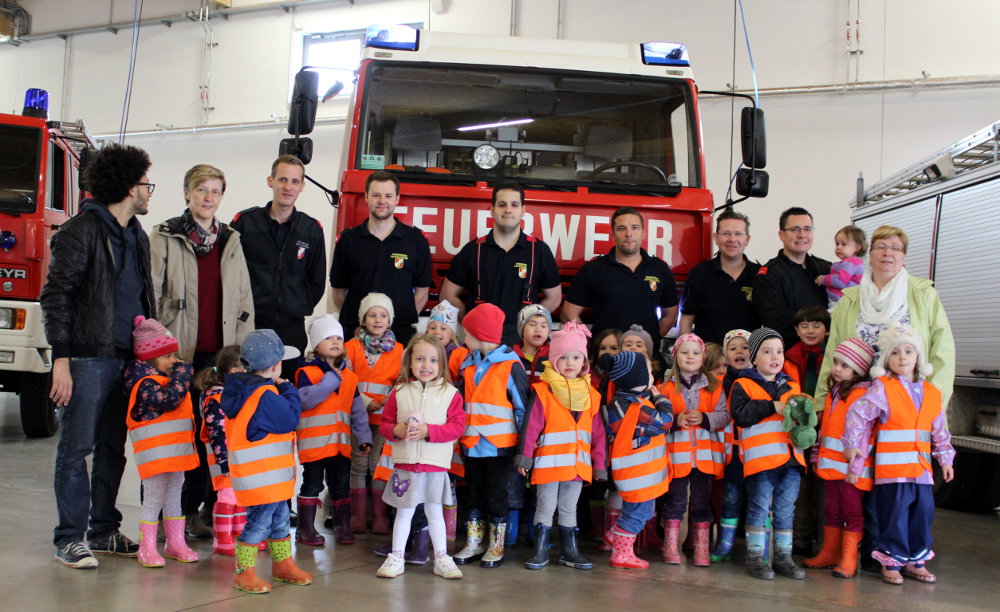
x: 843, y: 274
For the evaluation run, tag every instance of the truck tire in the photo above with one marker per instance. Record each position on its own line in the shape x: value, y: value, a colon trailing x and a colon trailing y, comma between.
x: 960, y: 493
x: 39, y: 418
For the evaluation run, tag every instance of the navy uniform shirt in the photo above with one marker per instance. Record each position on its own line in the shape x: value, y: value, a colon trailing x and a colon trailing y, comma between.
x: 506, y: 279
x: 363, y: 264
x: 620, y: 297
x: 718, y: 302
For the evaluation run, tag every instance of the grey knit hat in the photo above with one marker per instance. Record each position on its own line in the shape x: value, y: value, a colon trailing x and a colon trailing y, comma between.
x: 532, y: 310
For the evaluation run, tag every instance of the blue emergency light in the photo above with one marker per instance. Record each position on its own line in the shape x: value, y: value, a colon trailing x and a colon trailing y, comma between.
x: 36, y: 103
x: 399, y: 37
x: 7, y: 240
x: 665, y: 54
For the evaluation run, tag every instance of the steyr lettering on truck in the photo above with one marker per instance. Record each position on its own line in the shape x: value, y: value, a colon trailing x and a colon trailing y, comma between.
x: 13, y: 273
x: 570, y: 236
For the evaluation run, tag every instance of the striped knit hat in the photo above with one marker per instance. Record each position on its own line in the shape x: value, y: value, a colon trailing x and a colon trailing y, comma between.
x: 626, y: 368
x: 758, y: 337
x: 857, y: 354
x: 151, y: 340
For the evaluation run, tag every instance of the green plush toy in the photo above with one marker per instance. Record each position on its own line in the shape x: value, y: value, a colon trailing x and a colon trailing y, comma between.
x: 800, y: 420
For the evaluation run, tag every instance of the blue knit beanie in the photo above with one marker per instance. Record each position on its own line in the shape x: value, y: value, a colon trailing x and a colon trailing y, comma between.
x: 626, y: 368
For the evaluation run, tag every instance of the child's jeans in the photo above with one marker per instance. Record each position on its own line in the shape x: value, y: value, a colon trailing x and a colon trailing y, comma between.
x: 733, y: 489
x: 635, y: 515
x: 773, y: 490
x: 269, y: 521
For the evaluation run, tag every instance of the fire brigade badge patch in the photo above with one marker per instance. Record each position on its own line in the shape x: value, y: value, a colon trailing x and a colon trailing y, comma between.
x: 398, y: 259
x: 522, y: 270
x: 301, y: 252
x: 654, y: 282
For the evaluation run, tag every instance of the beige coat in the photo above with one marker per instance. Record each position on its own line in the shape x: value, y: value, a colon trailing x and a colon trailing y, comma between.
x: 175, y: 283
x: 432, y: 403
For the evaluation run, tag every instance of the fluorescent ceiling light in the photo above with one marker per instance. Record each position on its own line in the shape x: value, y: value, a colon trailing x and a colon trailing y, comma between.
x: 484, y: 126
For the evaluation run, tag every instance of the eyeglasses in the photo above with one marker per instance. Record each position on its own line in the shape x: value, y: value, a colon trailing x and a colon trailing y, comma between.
x: 149, y: 187
x: 732, y: 234
x: 895, y: 248
x: 216, y: 193
x: 808, y: 229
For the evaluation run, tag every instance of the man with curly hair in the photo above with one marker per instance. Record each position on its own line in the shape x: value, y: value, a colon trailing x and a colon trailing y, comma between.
x: 98, y: 282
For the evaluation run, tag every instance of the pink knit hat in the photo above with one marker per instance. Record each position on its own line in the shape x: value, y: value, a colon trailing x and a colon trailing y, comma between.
x: 856, y: 354
x: 571, y: 337
x: 686, y: 338
x: 151, y: 340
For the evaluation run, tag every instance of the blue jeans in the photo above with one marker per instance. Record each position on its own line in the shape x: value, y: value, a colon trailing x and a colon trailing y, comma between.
x: 773, y: 490
x: 269, y: 521
x: 635, y: 515
x: 93, y: 422
x: 733, y: 489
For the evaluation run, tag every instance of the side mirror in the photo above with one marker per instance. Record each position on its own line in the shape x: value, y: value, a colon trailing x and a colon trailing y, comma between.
x: 302, y: 114
x: 299, y: 147
x: 751, y: 183
x: 86, y: 155
x: 752, y: 137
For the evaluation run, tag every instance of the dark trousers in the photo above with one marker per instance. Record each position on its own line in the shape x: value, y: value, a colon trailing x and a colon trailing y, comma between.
x: 842, y: 508
x: 487, y: 479
x: 733, y: 489
x: 403, y: 333
x: 903, y: 513
x: 197, y: 482
x: 292, y: 334
x: 335, y: 470
x: 808, y: 510
x: 676, y: 498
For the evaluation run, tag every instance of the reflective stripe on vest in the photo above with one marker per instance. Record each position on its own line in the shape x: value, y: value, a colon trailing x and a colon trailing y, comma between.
x: 562, y: 453
x: 166, y: 443
x: 831, y: 464
x: 457, y: 463
x: 640, y: 474
x: 766, y: 446
x: 488, y: 411
x: 708, y: 449
x: 375, y: 382
x: 261, y: 472
x: 383, y: 469
x: 903, y: 447
x: 325, y: 429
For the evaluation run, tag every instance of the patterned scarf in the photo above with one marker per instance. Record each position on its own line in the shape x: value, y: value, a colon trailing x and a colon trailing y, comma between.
x: 375, y: 346
x: 202, y: 240
x: 574, y: 393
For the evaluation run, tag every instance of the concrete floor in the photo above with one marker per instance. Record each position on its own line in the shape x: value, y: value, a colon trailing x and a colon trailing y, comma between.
x: 344, y: 576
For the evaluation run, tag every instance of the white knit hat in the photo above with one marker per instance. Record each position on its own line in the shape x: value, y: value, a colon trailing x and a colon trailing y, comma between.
x: 375, y: 299
x: 322, y: 327
x: 896, y: 334
x: 445, y: 313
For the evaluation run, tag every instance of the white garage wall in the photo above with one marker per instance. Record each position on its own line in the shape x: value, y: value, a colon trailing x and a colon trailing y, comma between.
x: 817, y: 143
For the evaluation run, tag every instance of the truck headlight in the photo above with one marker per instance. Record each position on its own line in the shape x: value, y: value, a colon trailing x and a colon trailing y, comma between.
x: 12, y: 318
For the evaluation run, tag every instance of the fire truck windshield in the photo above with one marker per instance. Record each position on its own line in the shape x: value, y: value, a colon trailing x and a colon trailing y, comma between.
x: 19, y: 157
x: 455, y: 123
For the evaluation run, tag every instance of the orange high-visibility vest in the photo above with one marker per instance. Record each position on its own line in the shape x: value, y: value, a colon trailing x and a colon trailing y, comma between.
x: 563, y: 450
x: 903, y: 443
x: 375, y: 381
x: 262, y: 472
x: 488, y: 411
x: 832, y: 464
x: 792, y: 371
x: 220, y: 480
x: 325, y: 429
x: 166, y: 443
x: 765, y: 446
x: 457, y: 463
x: 695, y: 446
x: 383, y: 469
x: 643, y: 473
x: 455, y: 362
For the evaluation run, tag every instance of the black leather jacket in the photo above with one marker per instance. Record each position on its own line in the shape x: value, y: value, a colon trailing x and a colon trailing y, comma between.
x: 79, y: 293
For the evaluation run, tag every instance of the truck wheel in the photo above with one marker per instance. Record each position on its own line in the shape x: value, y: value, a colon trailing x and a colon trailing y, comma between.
x: 39, y: 418
x: 960, y: 493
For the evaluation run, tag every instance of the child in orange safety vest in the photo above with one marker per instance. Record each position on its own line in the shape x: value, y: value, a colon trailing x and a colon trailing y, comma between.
x: 905, y: 416
x: 160, y: 423
x: 562, y: 443
x: 332, y: 411
x: 638, y: 419
x: 843, y: 524
x: 495, y: 389
x: 228, y: 518
x: 772, y: 466
x: 375, y: 356
x: 262, y: 410
x: 697, y: 447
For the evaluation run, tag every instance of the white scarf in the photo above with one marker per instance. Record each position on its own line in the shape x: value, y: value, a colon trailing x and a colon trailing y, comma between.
x: 889, y: 304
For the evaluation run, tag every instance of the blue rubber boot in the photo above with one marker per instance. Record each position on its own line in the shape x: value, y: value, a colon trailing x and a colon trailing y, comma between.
x: 757, y: 565
x: 723, y: 550
x: 513, y: 520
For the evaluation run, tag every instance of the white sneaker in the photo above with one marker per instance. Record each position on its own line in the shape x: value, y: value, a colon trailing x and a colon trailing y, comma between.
x: 445, y: 567
x: 394, y: 565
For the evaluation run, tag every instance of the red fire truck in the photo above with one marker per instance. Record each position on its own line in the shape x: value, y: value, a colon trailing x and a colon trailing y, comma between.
x: 39, y: 190
x: 585, y: 127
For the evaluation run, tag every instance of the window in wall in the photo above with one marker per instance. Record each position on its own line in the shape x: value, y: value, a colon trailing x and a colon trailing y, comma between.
x: 336, y: 56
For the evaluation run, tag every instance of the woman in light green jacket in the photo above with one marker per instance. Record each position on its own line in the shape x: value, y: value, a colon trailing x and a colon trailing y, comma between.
x: 888, y: 293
